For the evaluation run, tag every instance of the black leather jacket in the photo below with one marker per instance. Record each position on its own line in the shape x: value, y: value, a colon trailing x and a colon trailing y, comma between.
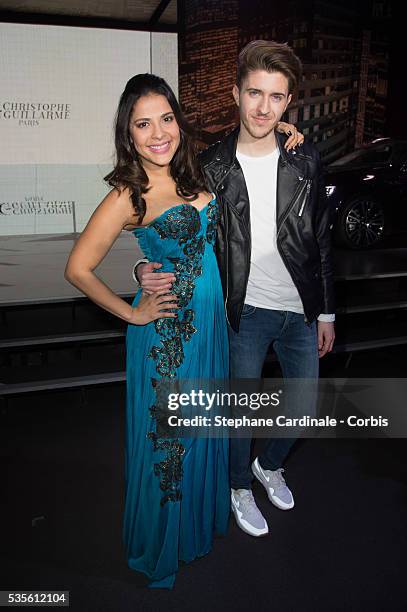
x: 303, y: 225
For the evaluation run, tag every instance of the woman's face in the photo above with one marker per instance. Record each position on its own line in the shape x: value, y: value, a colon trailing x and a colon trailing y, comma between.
x: 154, y: 130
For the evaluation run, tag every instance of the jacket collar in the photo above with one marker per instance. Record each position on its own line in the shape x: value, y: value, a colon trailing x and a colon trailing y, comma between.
x: 285, y: 156
x: 226, y: 152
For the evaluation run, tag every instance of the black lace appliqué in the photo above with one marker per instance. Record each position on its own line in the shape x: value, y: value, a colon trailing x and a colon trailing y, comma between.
x: 170, y: 354
x: 212, y: 213
x: 182, y: 224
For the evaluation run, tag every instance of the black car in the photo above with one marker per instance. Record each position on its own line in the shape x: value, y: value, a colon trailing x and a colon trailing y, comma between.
x: 368, y: 189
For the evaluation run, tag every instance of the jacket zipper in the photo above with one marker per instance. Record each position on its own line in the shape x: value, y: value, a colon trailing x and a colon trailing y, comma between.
x: 227, y: 251
x: 292, y: 203
x: 308, y: 189
x: 227, y: 272
x: 227, y: 255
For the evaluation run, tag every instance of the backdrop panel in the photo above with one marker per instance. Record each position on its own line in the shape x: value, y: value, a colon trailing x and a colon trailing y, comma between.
x: 60, y: 89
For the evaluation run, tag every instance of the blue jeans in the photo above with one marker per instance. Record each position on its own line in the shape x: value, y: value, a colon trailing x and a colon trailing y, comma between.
x: 296, y: 346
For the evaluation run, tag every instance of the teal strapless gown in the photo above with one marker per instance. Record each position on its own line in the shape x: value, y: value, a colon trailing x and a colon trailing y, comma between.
x: 177, y: 490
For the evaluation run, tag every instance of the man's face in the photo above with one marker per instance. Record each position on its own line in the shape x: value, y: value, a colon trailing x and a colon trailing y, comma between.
x: 262, y: 100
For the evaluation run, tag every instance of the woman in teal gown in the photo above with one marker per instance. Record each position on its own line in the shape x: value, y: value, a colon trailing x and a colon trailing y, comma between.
x: 177, y: 489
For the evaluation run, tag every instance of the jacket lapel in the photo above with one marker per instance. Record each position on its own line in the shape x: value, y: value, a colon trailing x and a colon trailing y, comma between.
x: 231, y: 172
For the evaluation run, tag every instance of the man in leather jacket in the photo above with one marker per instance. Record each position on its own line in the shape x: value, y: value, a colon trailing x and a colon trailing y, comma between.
x: 274, y: 255
x: 302, y: 225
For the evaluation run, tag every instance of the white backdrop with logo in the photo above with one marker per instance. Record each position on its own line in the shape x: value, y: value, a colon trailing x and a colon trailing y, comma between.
x: 60, y: 87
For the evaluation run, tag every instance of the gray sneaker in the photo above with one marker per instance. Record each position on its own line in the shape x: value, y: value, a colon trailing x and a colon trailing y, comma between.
x: 273, y: 481
x: 248, y: 516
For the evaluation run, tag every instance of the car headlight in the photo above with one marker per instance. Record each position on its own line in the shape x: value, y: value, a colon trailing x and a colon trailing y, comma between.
x: 330, y: 190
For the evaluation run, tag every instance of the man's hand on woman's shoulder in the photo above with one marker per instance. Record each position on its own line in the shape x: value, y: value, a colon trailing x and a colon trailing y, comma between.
x: 294, y: 136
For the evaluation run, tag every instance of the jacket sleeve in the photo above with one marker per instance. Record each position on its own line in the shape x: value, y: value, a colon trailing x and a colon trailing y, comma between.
x: 323, y: 231
x: 221, y: 228
x: 221, y: 248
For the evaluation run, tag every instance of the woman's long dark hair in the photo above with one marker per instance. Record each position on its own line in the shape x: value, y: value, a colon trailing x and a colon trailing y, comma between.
x: 128, y: 171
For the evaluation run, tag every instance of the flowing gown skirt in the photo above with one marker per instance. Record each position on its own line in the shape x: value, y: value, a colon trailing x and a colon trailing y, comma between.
x: 177, y: 490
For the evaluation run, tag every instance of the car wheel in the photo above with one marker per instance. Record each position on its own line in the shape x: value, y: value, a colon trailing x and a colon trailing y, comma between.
x: 361, y: 223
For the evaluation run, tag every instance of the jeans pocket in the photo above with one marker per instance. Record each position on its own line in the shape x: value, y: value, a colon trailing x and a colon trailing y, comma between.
x: 248, y: 310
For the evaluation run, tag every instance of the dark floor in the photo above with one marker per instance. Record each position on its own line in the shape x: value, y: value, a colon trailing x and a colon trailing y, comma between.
x: 343, y: 547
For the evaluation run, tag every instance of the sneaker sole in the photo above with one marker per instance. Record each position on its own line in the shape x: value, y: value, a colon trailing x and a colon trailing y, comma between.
x: 247, y: 529
x: 276, y: 502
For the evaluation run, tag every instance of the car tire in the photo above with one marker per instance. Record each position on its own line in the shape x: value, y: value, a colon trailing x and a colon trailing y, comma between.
x: 361, y: 223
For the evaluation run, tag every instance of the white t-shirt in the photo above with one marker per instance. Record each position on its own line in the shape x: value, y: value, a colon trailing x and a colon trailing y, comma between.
x: 270, y: 284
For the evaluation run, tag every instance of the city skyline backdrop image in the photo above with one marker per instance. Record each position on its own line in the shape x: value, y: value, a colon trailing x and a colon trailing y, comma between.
x: 346, y: 50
